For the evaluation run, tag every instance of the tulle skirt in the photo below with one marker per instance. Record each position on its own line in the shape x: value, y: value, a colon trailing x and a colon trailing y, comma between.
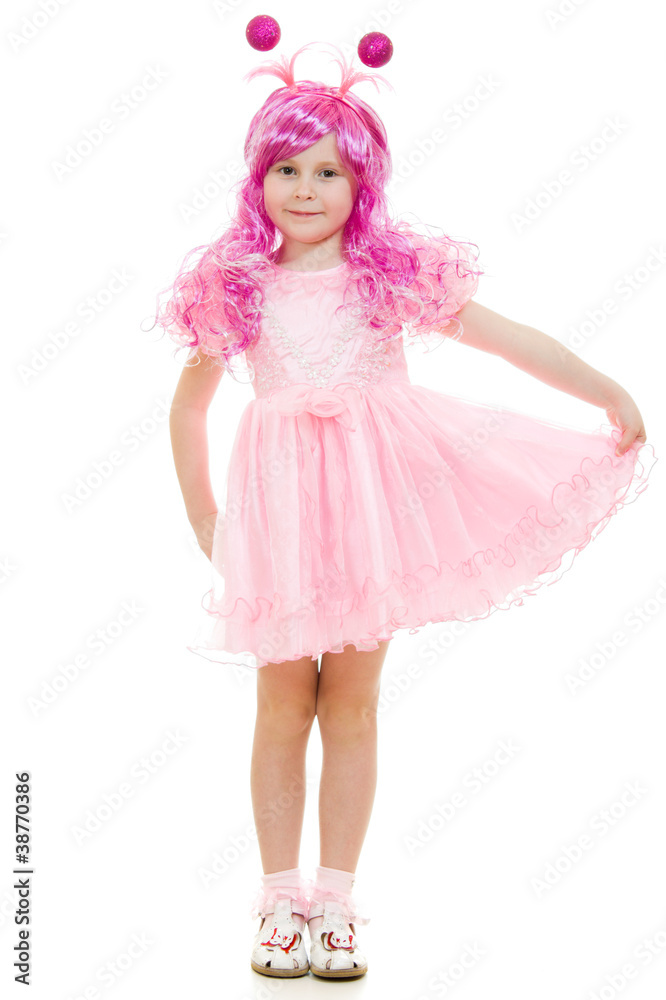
x: 352, y: 513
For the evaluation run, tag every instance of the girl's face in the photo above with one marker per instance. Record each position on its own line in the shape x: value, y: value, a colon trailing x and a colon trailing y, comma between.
x: 313, y: 182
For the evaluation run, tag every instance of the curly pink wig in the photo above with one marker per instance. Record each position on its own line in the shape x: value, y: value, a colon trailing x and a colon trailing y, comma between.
x: 399, y: 276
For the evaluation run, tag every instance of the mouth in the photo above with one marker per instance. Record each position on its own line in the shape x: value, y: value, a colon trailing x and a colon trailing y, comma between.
x: 303, y: 215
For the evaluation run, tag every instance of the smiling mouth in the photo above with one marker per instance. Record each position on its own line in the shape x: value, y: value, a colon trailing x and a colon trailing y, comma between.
x: 302, y: 213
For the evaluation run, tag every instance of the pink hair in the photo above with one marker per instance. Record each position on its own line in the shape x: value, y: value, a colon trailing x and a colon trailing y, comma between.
x: 399, y: 276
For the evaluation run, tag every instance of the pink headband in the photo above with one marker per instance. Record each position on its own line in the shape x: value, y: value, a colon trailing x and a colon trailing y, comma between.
x: 374, y: 49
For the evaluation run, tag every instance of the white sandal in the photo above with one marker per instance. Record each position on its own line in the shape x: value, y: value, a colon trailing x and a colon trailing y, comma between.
x: 334, y: 951
x: 279, y: 949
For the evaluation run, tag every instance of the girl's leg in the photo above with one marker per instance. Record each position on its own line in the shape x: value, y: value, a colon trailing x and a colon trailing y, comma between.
x: 347, y: 699
x: 286, y: 702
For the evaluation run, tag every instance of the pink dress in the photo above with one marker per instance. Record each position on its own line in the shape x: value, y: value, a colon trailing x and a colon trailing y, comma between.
x: 358, y: 503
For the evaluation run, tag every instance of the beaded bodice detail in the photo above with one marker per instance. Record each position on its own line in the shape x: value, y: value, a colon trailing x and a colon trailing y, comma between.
x: 301, y: 340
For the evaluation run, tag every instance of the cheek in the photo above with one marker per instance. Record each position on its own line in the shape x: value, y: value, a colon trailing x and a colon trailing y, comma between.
x: 352, y: 191
x: 268, y: 197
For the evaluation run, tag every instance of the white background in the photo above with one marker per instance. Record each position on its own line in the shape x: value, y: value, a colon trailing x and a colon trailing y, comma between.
x: 128, y: 207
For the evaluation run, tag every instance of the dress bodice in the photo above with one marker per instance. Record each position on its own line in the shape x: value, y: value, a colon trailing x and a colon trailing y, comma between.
x: 303, y: 341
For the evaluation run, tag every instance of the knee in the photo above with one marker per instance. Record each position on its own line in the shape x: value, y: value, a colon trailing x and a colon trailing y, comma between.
x: 286, y: 717
x: 344, y: 720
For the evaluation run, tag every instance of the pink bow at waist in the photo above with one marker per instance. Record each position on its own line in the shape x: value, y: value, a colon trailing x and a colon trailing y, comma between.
x: 342, y: 400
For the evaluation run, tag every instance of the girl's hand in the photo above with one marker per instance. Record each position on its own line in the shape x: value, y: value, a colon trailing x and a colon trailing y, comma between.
x: 625, y: 414
x: 204, y: 529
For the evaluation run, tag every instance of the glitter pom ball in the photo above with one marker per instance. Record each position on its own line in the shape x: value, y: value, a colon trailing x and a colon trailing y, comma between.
x: 375, y: 49
x: 263, y: 32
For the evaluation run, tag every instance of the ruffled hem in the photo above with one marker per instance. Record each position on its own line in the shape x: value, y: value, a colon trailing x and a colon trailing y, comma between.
x: 428, y: 589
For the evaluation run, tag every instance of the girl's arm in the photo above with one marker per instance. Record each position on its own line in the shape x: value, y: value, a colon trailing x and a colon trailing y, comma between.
x: 551, y: 362
x: 189, y: 442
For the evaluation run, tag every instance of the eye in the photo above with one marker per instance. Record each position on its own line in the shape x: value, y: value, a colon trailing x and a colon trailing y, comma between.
x: 326, y: 170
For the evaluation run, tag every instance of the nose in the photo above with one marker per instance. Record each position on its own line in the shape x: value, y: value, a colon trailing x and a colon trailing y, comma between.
x: 304, y: 188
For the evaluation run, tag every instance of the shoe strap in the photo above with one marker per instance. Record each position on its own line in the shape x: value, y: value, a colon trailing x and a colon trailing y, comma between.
x: 343, y: 901
x: 269, y: 911
x: 265, y: 899
x: 283, y: 916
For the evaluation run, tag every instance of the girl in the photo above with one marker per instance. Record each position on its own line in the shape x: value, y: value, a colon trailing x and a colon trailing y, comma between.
x: 357, y: 503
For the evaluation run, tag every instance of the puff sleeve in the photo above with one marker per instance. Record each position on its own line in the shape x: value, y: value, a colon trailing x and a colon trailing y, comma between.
x: 210, y: 344
x: 195, y: 316
x: 446, y: 281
